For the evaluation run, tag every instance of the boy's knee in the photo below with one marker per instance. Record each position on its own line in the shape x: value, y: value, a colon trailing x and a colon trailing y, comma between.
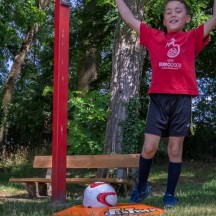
x: 149, y: 151
x: 174, y: 151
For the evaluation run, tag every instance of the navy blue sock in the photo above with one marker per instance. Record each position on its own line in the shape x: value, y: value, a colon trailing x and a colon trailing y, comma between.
x: 144, y: 170
x: 174, y: 170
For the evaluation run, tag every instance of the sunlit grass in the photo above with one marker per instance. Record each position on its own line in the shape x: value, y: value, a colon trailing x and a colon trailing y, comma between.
x: 196, y: 192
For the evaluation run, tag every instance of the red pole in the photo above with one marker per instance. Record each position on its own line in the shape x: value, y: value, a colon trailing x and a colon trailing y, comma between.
x: 60, y: 100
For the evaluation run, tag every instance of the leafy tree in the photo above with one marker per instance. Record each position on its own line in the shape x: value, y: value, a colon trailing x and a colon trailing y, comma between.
x: 23, y: 23
x: 203, y: 144
x: 92, y: 29
x: 95, y: 29
x: 28, y: 15
x: 87, y: 117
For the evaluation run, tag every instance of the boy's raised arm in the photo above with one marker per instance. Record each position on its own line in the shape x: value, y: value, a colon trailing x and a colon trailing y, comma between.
x: 211, y: 23
x: 127, y: 16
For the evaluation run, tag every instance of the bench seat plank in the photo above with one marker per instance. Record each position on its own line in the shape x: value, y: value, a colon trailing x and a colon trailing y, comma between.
x: 72, y: 180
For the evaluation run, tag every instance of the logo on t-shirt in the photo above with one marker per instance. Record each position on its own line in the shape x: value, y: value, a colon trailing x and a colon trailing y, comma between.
x: 174, y: 49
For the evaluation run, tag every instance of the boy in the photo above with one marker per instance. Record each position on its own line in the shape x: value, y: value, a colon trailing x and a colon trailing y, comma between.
x: 173, y: 84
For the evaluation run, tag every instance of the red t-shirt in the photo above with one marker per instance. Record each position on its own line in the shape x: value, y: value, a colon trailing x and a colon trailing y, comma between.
x: 172, y: 58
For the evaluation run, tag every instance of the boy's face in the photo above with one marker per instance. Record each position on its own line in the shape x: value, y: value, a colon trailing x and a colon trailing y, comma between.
x: 175, y: 16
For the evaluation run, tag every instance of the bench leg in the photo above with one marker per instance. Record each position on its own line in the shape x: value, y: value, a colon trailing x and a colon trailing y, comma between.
x: 31, y: 188
x: 36, y: 189
x: 49, y: 189
x: 41, y: 189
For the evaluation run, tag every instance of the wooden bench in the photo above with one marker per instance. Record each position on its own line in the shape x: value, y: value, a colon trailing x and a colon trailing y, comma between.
x: 38, y: 187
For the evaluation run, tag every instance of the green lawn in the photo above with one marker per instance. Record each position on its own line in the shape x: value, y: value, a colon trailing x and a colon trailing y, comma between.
x: 196, y: 192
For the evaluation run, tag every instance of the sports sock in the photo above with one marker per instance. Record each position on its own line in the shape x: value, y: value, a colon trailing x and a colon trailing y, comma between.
x: 174, y: 170
x: 144, y: 170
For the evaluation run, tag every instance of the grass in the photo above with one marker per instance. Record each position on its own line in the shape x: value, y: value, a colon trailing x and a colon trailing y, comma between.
x: 196, y: 191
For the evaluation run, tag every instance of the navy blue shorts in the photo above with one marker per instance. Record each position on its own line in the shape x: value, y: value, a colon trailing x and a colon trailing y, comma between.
x: 169, y: 115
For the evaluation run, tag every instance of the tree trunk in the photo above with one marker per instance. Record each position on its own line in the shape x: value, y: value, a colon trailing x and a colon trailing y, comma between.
x: 128, y: 59
x: 87, y: 70
x: 15, y: 72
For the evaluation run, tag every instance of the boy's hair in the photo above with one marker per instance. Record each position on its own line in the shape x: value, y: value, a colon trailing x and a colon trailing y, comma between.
x: 183, y: 2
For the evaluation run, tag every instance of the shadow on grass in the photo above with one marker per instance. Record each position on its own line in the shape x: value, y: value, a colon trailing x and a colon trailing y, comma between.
x: 196, y: 189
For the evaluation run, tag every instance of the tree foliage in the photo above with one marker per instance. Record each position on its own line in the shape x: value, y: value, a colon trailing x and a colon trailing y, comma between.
x: 87, y: 117
x: 21, y: 36
x: 93, y: 25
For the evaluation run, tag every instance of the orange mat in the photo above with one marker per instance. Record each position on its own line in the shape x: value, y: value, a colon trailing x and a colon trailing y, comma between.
x: 120, y: 209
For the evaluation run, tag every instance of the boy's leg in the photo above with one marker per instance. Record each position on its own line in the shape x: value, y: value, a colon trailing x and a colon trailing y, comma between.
x: 174, y: 170
x: 175, y: 148
x: 149, y: 149
x: 144, y: 170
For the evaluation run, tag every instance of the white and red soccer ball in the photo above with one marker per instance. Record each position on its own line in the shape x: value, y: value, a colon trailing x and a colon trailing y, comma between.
x: 99, y: 195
